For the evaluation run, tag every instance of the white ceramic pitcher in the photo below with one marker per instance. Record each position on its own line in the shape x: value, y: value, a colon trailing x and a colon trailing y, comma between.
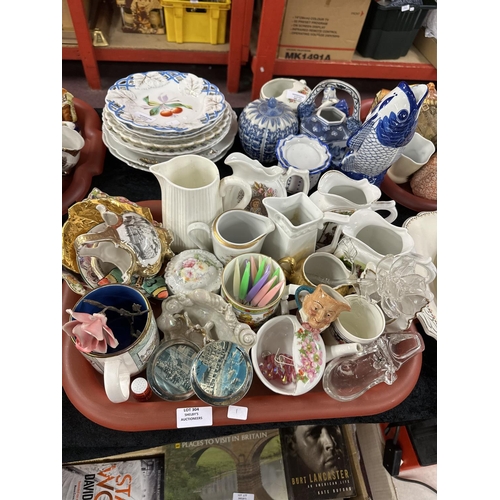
x: 338, y: 192
x: 192, y: 191
x: 368, y: 237
x: 297, y: 221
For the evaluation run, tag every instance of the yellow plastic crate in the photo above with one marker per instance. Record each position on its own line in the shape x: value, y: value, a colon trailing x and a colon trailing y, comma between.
x: 203, y: 22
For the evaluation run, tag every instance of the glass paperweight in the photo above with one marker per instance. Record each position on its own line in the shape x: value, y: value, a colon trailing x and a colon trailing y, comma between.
x: 221, y: 373
x: 349, y: 377
x: 169, y: 369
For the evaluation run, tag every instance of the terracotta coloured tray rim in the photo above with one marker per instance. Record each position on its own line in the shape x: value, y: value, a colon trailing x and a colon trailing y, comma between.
x: 84, y: 388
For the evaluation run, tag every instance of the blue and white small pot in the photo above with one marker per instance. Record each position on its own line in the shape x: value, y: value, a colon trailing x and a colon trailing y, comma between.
x: 303, y: 152
x: 262, y: 124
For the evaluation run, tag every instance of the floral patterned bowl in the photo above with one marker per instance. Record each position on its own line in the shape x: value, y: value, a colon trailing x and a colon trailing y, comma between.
x: 287, y: 358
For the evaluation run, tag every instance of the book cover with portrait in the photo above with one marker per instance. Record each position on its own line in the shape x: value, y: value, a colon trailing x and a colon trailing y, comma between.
x: 316, y: 462
x: 136, y: 479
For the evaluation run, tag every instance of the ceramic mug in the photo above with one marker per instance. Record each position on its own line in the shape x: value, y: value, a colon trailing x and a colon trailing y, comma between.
x: 254, y: 316
x: 316, y: 269
x: 192, y: 191
x: 363, y: 324
x: 131, y: 355
x: 72, y: 145
x: 415, y: 155
x: 233, y: 233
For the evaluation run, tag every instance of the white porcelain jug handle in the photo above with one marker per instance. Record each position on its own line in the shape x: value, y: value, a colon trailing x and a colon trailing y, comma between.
x: 116, y: 380
x: 303, y: 174
x: 195, y: 226
x: 340, y: 220
x: 234, y: 181
x: 390, y: 206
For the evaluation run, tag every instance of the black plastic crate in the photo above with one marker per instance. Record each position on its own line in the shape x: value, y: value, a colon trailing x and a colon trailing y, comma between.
x: 389, y: 31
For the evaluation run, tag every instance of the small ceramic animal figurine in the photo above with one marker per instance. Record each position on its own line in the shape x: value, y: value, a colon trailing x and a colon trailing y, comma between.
x: 388, y: 128
x: 320, y: 307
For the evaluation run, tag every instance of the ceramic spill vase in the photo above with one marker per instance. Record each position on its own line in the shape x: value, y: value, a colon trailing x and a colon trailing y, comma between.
x: 264, y: 181
x: 262, y: 124
x: 388, y: 128
x: 330, y: 122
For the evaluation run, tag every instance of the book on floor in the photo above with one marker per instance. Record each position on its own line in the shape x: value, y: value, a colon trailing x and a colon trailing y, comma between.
x: 317, y: 462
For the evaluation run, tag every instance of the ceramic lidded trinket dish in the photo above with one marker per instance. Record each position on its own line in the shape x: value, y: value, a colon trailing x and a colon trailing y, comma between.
x: 262, y: 124
x: 193, y: 269
x: 305, y: 153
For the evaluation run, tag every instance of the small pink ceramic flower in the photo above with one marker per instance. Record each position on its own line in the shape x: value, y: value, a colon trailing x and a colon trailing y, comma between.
x: 90, y: 332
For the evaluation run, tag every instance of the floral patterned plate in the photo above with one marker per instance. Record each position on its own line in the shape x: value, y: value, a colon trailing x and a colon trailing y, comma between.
x: 165, y: 102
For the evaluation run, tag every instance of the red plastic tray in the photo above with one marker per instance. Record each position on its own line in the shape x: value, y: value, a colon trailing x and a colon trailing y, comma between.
x: 85, y: 389
x: 76, y: 185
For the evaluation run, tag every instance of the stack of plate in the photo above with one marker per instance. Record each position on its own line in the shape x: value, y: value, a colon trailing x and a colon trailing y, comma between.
x: 152, y: 117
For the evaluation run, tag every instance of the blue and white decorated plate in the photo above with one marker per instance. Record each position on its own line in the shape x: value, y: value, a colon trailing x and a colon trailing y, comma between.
x: 165, y: 102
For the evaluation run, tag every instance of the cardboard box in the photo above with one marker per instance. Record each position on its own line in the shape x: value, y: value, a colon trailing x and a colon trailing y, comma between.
x: 427, y: 46
x: 142, y: 16
x: 321, y: 30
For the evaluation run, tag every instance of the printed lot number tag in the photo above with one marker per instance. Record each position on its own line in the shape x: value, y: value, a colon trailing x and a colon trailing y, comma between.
x: 194, y: 417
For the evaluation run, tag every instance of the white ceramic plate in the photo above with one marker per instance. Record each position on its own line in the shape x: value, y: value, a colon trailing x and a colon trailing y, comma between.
x: 140, y: 100
x: 423, y: 229
x: 144, y: 161
x: 158, y: 143
x: 180, y: 148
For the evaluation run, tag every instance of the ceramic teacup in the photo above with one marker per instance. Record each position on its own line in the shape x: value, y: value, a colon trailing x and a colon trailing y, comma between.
x: 316, y: 269
x: 233, y: 233
x: 276, y: 291
x: 363, y: 324
x: 415, y: 155
x: 72, y: 144
x: 131, y: 355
